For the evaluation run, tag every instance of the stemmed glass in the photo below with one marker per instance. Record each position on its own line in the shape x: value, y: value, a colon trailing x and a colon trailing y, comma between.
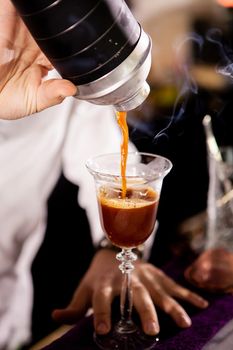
x: 127, y: 222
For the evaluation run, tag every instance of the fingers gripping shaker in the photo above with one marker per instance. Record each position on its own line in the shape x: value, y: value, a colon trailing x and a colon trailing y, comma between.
x: 96, y: 44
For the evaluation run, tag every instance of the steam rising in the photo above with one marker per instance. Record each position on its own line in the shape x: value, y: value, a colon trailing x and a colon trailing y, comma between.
x: 185, y: 86
x: 185, y: 82
x: 225, y: 66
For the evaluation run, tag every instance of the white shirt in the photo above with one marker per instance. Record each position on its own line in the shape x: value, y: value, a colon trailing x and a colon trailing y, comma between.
x: 33, y: 151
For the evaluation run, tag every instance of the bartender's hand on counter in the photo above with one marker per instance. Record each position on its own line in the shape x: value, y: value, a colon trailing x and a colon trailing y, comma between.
x: 150, y: 286
x: 23, y: 67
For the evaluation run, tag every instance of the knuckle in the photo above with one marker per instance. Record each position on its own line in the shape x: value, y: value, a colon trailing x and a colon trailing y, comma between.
x: 101, y: 314
x: 183, y: 292
x: 177, y: 310
x: 137, y: 287
x: 169, y: 304
x: 147, y: 310
x: 103, y: 292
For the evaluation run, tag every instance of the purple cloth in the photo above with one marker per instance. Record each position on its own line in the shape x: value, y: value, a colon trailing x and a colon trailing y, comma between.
x: 205, y: 324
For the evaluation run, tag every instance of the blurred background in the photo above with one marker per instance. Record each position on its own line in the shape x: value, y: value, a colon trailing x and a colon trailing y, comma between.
x: 191, y: 76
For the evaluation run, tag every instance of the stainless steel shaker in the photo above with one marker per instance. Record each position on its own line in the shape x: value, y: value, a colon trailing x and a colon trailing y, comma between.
x: 96, y: 44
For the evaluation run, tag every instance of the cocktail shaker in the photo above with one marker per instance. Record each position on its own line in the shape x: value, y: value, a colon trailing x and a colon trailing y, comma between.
x: 96, y: 44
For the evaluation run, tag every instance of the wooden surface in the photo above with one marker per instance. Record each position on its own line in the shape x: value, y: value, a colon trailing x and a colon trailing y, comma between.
x: 51, y: 337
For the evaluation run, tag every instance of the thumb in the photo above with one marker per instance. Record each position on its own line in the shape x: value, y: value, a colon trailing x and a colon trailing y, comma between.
x: 67, y: 316
x: 76, y: 309
x: 54, y: 91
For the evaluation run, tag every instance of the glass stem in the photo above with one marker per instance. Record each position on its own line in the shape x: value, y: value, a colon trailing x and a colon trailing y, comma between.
x: 127, y: 257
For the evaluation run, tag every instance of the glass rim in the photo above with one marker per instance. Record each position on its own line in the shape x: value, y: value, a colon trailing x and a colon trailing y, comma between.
x: 105, y: 174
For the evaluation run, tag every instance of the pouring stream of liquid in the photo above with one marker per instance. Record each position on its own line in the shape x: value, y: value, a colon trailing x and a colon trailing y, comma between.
x: 121, y: 119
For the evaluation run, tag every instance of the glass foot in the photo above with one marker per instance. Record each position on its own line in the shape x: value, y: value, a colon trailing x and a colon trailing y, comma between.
x: 136, y: 340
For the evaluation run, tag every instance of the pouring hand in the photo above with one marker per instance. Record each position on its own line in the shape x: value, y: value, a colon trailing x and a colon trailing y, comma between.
x: 23, y: 67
